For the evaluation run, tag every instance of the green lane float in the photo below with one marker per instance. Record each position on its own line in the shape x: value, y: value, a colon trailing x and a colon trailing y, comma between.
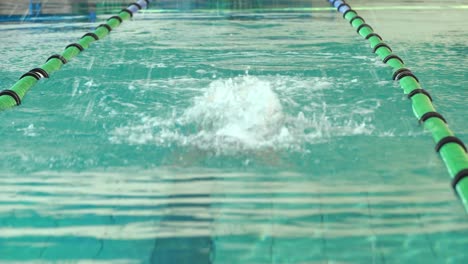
x: 14, y: 96
x: 451, y: 149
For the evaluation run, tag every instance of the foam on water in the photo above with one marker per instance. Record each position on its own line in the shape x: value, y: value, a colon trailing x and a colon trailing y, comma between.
x: 241, y: 110
x: 251, y: 113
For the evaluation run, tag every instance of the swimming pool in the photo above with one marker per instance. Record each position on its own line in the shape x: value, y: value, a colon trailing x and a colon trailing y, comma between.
x: 262, y: 138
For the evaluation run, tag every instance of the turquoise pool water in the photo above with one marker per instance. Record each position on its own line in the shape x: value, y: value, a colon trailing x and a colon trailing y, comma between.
x: 266, y: 138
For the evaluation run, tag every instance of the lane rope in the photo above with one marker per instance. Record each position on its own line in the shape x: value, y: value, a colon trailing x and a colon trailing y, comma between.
x: 451, y: 149
x: 15, y: 95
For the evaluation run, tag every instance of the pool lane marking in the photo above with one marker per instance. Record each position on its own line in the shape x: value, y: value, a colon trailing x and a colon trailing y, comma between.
x: 451, y: 148
x: 15, y: 95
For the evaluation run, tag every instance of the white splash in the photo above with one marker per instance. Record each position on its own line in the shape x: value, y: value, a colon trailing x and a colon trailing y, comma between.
x: 250, y: 113
x: 30, y: 131
x: 244, y: 110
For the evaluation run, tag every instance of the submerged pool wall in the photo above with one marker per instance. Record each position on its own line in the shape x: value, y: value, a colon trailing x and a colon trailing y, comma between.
x: 21, y: 8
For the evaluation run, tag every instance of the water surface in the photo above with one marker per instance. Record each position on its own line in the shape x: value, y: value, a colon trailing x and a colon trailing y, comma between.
x: 278, y: 139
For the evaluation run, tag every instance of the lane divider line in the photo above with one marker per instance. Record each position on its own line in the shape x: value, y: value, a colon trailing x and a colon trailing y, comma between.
x: 451, y: 149
x: 15, y: 95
